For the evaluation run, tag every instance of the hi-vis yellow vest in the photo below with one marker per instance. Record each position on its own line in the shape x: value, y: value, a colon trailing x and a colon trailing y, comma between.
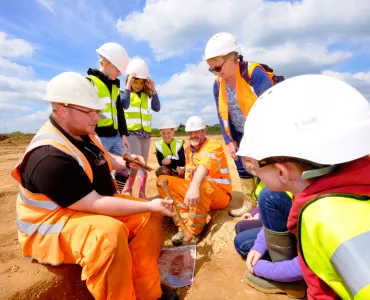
x: 244, y: 95
x: 259, y: 185
x: 171, y: 152
x: 39, y: 219
x: 334, y: 240
x: 138, y: 115
x: 108, y: 115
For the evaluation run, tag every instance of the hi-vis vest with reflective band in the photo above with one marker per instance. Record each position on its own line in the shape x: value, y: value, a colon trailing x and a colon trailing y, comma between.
x: 108, y: 115
x: 220, y: 174
x: 334, y: 239
x: 138, y: 115
x: 40, y: 220
x: 171, y: 152
x: 244, y: 95
x: 259, y: 185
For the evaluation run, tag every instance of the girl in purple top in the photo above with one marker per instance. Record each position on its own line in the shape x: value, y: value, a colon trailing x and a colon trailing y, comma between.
x: 250, y: 241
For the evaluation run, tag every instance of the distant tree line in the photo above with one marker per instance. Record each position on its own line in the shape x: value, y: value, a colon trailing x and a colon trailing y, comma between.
x: 211, y: 130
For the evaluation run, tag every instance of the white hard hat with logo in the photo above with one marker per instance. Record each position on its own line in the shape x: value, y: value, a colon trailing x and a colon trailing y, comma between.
x: 194, y: 123
x: 73, y: 88
x: 311, y: 117
x: 167, y: 124
x: 221, y: 44
x: 138, y: 66
x: 115, y: 54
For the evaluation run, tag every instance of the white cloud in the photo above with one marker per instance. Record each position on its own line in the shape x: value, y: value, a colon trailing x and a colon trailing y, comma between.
x: 28, y: 122
x: 174, y: 27
x: 360, y: 81
x: 10, y: 47
x: 10, y: 68
x: 21, y: 105
x: 186, y: 93
x: 48, y: 4
x: 80, y: 22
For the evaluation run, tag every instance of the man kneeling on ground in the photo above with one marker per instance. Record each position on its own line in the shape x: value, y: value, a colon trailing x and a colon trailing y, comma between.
x: 207, y: 183
x: 68, y: 210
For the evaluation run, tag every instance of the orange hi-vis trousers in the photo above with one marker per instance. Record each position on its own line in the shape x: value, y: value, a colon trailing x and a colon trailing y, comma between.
x: 211, y: 197
x: 118, y: 255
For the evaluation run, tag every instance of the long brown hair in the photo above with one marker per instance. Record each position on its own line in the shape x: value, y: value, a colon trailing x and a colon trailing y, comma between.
x: 145, y: 89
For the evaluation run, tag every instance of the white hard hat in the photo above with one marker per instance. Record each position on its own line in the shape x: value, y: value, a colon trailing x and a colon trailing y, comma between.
x: 311, y: 117
x: 138, y: 66
x: 115, y: 54
x: 73, y: 88
x: 220, y: 44
x: 194, y: 123
x: 167, y: 123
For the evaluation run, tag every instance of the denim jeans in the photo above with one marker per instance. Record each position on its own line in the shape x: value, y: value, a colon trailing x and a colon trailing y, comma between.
x: 243, y: 173
x: 274, y: 211
x: 112, y: 144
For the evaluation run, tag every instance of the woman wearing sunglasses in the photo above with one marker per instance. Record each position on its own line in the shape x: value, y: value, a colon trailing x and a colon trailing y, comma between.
x: 237, y: 85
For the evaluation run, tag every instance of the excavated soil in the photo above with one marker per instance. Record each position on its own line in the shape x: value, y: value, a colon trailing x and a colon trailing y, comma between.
x: 219, y: 269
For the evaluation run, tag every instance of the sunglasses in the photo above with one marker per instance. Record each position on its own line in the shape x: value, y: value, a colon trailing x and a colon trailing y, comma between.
x: 99, y: 159
x: 217, y: 69
x: 90, y: 113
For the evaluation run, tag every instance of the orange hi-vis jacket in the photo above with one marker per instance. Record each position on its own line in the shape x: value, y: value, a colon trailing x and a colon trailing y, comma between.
x: 212, y: 156
x: 39, y: 219
x: 244, y: 94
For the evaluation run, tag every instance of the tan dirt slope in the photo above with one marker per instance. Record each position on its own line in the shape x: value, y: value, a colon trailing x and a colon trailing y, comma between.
x: 219, y: 270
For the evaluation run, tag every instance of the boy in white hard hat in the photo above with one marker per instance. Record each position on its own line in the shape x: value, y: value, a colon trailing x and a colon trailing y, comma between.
x: 170, y: 152
x: 207, y: 183
x: 111, y: 127
x: 315, y: 145
x: 68, y: 210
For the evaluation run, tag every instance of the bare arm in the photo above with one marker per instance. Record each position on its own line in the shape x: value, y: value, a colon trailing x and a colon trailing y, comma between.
x: 119, y: 206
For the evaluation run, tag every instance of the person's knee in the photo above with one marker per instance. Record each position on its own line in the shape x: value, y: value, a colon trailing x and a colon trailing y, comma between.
x: 242, y: 245
x: 112, y: 229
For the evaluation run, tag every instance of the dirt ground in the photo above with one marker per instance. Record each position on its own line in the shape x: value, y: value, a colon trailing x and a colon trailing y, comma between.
x: 219, y: 269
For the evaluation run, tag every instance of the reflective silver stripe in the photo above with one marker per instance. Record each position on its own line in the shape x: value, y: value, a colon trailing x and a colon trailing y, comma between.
x: 352, y: 262
x: 57, y: 137
x: 196, y: 216
x: 133, y: 109
x: 138, y: 121
x: 224, y: 171
x: 223, y: 181
x: 226, y: 124
x: 158, y: 145
x: 171, y: 157
x: 43, y: 229
x: 106, y: 100
x: 213, y: 157
x: 105, y: 115
x: 49, y: 205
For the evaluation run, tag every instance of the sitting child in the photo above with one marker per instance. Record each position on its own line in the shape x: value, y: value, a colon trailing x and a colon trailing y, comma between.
x: 169, y: 151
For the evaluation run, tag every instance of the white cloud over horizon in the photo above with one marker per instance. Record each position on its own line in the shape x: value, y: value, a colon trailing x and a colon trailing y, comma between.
x: 296, y: 37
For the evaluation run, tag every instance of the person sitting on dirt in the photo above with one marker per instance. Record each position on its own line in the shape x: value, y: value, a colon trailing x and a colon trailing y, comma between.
x: 207, y: 183
x: 170, y: 152
x: 272, y: 261
x: 327, y: 169
x: 68, y: 211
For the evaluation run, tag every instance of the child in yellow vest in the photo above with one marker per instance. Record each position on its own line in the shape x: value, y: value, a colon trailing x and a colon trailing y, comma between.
x: 138, y: 100
x: 170, y: 152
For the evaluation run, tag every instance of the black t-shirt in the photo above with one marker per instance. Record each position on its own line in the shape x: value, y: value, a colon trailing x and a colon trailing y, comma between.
x: 57, y: 175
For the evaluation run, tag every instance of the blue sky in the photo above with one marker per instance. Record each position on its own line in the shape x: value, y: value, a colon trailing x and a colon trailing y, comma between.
x: 41, y: 38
